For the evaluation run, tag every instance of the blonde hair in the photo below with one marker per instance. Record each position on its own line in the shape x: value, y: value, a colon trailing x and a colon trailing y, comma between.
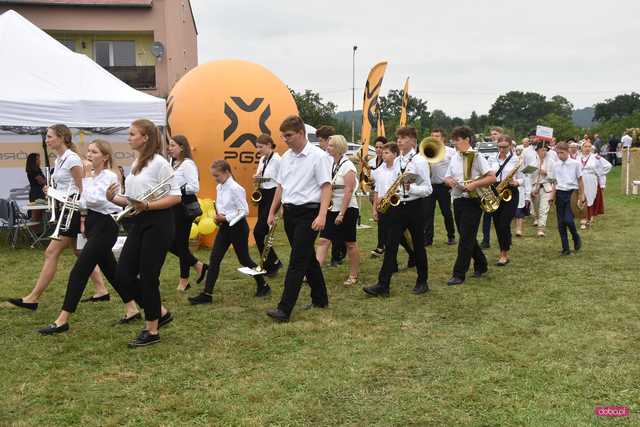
x: 106, y: 150
x: 339, y: 143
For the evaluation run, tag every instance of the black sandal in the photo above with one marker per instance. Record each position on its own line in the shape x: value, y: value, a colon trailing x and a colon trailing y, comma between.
x: 203, y: 273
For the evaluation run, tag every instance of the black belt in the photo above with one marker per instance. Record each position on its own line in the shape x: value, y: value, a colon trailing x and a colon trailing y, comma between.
x: 303, y: 206
x: 406, y: 202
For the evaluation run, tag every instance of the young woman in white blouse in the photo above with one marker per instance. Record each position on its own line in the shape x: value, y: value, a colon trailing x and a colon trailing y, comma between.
x: 594, y: 168
x: 101, y: 232
x: 67, y: 177
x: 342, y: 217
x: 266, y: 174
x: 541, y: 186
x: 151, y: 233
x: 232, y: 210
x: 186, y: 178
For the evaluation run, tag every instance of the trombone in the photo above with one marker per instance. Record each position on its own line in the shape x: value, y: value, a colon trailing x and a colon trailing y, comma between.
x: 71, y: 204
x: 159, y: 191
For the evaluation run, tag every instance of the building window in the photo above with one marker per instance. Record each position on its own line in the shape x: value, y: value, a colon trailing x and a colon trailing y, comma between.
x: 70, y: 44
x: 117, y: 53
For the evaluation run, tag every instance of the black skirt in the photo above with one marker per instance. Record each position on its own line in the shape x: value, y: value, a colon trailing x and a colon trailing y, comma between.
x: 345, y: 232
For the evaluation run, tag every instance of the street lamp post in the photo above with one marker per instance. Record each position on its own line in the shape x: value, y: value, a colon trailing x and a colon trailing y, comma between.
x: 353, y: 97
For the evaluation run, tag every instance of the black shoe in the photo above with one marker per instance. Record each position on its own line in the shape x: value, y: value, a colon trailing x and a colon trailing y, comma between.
x: 278, y: 315
x: 263, y: 291
x: 165, y: 320
x: 144, y: 338
x: 124, y: 319
x: 565, y: 252
x: 455, y: 281
x: 33, y: 306
x: 186, y: 288
x: 502, y: 263
x: 312, y: 305
x: 485, y: 245
x: 376, y: 290
x: 271, y: 272
x: 451, y: 241
x: 578, y: 244
x: 104, y: 297
x: 203, y: 273
x: 411, y: 263
x: 477, y: 274
x: 201, y: 298
x: 54, y: 329
x: 420, y: 288
x: 377, y: 252
x: 428, y: 243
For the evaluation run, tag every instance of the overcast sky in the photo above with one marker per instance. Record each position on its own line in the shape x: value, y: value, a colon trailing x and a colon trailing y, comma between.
x: 459, y: 54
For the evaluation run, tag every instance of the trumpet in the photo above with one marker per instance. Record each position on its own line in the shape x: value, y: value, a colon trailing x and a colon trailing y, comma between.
x: 155, y: 193
x: 70, y: 204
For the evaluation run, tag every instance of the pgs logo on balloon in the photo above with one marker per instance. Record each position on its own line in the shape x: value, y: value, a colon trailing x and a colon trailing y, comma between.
x: 236, y: 136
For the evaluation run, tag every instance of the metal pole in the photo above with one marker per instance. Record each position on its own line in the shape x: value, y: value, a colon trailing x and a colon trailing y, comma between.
x: 353, y: 97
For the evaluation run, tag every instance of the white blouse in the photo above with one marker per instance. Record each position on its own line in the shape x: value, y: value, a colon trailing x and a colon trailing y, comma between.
x: 269, y: 174
x: 567, y: 174
x: 157, y: 169
x: 231, y: 201
x: 62, y: 178
x: 338, y: 172
x: 384, y: 177
x: 187, y: 175
x: 94, y: 193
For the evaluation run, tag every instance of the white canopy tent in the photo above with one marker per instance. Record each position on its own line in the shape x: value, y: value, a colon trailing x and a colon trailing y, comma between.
x: 42, y: 82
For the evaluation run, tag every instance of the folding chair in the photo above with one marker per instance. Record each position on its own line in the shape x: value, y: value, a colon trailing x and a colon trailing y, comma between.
x: 19, y: 222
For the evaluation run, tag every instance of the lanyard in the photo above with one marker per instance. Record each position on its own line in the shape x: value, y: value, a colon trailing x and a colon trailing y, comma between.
x: 336, y: 168
x: 499, y: 173
x: 266, y: 163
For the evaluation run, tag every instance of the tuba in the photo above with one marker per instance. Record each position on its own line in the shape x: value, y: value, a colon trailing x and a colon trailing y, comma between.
x: 489, y: 202
x: 432, y: 149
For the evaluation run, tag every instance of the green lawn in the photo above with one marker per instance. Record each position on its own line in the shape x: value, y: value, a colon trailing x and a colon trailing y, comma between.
x: 540, y: 342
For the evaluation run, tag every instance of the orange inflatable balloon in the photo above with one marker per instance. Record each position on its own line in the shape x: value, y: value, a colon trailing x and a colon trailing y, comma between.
x: 222, y: 107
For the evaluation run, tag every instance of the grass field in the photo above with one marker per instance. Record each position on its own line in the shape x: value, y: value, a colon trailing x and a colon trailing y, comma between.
x: 540, y: 342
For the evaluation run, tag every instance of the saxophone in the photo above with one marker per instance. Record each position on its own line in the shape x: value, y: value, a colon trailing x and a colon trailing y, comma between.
x: 502, y: 189
x: 391, y: 198
x: 489, y: 202
x: 268, y: 244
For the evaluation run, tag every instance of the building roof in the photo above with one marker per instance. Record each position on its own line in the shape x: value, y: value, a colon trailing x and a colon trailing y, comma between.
x: 103, y: 3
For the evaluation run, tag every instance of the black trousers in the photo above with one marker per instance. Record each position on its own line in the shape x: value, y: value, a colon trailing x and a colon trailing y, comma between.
x: 486, y: 228
x: 565, y: 219
x: 302, y: 261
x: 101, y: 232
x: 502, y: 218
x: 262, y: 228
x: 407, y: 215
x: 442, y: 195
x: 238, y: 236
x: 142, y: 257
x: 383, y: 225
x: 180, y: 246
x: 467, y: 214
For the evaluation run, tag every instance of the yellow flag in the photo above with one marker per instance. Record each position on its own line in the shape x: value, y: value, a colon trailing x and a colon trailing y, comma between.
x: 370, y: 103
x: 405, y: 102
x: 380, y: 126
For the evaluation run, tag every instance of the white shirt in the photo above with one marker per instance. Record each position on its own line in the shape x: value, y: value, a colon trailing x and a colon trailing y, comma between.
x: 62, y: 178
x: 373, y: 163
x: 567, y: 174
x: 479, y: 169
x: 271, y: 172
x: 506, y: 170
x: 187, y: 175
x: 439, y: 170
x: 546, y: 166
x: 157, y: 169
x: 94, y: 192
x: 384, y: 177
x: 231, y: 201
x: 414, y: 163
x: 626, y: 141
x: 344, y: 166
x: 302, y: 175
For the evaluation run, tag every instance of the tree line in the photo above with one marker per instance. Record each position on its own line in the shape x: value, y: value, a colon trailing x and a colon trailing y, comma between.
x: 517, y: 112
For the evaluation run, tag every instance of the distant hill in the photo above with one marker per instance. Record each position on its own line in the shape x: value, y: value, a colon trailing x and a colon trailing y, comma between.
x: 583, y: 117
x: 346, y: 116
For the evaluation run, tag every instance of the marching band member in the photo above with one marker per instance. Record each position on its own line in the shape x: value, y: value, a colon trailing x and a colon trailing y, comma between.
x: 495, y: 133
x: 409, y: 214
x: 152, y: 228
x: 466, y: 209
x: 568, y: 178
x: 384, y: 176
x: 231, y: 217
x: 186, y: 179
x: 304, y: 189
x: 268, y: 168
x: 594, y: 167
x: 502, y: 217
x: 441, y: 194
x: 542, y: 186
x: 101, y: 231
x: 342, y: 218
x: 67, y: 176
x: 374, y: 164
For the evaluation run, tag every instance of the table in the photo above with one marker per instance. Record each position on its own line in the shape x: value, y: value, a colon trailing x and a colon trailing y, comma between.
x: 46, y: 214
